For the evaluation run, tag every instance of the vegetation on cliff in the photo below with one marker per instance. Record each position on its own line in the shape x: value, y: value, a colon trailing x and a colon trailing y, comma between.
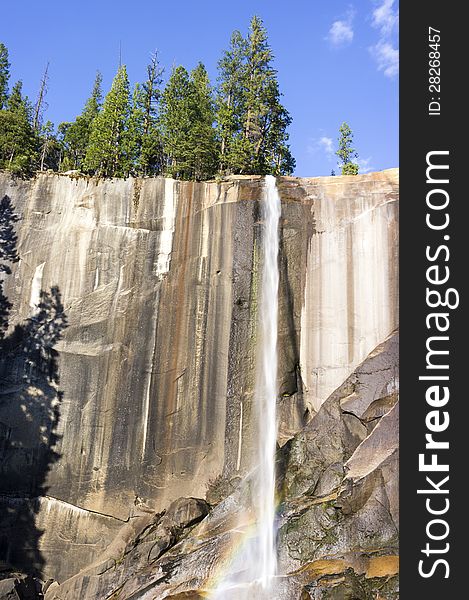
x: 252, y: 122
x: 346, y: 152
x: 188, y: 130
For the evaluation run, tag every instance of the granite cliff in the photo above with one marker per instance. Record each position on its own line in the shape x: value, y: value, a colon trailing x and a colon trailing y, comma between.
x: 126, y: 446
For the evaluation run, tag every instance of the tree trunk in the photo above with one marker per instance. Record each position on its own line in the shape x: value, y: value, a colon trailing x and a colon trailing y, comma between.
x: 43, y: 155
x: 40, y: 99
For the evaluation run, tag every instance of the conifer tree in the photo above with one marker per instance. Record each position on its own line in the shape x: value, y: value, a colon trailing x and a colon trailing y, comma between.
x: 106, y: 152
x: 4, y: 75
x: 231, y: 98
x: 346, y: 151
x: 252, y: 120
x: 75, y: 136
x: 18, y: 141
x: 259, y: 78
x: 151, y: 152
x: 266, y: 119
x: 144, y: 139
x: 176, y: 123
x: 94, y: 102
x: 135, y: 128
x: 41, y: 104
x: 187, y: 117
x: 273, y: 151
x: 49, y: 148
x: 203, y: 144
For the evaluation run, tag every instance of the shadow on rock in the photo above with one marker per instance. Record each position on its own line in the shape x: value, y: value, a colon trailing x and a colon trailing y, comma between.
x: 30, y: 401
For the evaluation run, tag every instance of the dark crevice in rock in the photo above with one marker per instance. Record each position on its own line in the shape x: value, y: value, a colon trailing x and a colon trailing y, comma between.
x: 362, y: 421
x: 88, y: 510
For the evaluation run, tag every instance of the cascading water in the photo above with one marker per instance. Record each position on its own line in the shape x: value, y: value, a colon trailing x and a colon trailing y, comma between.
x: 266, y: 388
x: 250, y: 575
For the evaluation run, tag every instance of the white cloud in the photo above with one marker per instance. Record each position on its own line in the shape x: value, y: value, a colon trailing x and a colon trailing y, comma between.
x: 323, y: 145
x: 364, y: 165
x: 385, y: 18
x: 385, y: 52
x: 341, y: 31
x: 326, y: 144
x: 386, y: 57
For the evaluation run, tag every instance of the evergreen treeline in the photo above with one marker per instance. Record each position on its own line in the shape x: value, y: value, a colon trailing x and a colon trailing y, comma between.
x: 186, y: 129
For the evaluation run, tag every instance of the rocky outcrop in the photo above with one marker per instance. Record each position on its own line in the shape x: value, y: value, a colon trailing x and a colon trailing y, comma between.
x: 339, y: 531
x: 20, y: 587
x: 338, y: 521
x: 150, y: 289
x: 138, y: 544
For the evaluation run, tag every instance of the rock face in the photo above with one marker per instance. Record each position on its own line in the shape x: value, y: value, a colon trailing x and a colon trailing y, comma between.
x: 338, y: 522
x: 148, y: 291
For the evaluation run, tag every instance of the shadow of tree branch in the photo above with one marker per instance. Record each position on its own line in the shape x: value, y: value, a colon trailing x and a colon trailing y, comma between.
x: 30, y: 402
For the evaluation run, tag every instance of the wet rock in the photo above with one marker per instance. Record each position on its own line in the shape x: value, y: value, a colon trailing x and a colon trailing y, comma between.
x: 338, y: 529
x: 317, y: 457
x: 349, y: 586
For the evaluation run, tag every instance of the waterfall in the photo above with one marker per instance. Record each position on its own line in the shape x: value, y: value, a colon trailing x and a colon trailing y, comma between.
x: 250, y: 574
x: 266, y: 388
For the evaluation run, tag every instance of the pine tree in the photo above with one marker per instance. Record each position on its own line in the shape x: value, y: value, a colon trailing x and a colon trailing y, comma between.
x: 151, y: 92
x: 151, y: 160
x: 176, y: 122
x: 252, y: 121
x: 346, y: 151
x: 144, y: 139
x: 135, y: 129
x: 18, y: 141
x: 203, y: 144
x: 260, y: 75
x: 4, y: 75
x: 151, y: 152
x: 75, y: 136
x: 266, y: 119
x: 49, y: 148
x: 273, y: 151
x: 231, y: 98
x: 41, y: 104
x: 187, y: 118
x: 106, y: 152
x: 94, y: 102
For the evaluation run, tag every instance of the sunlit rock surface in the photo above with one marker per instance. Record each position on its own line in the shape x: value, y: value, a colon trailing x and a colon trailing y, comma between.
x: 153, y: 399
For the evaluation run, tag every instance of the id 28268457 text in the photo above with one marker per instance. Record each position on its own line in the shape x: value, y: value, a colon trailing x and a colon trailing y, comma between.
x: 434, y: 71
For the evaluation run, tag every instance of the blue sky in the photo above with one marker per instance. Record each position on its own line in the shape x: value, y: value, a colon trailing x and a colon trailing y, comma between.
x: 336, y: 60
